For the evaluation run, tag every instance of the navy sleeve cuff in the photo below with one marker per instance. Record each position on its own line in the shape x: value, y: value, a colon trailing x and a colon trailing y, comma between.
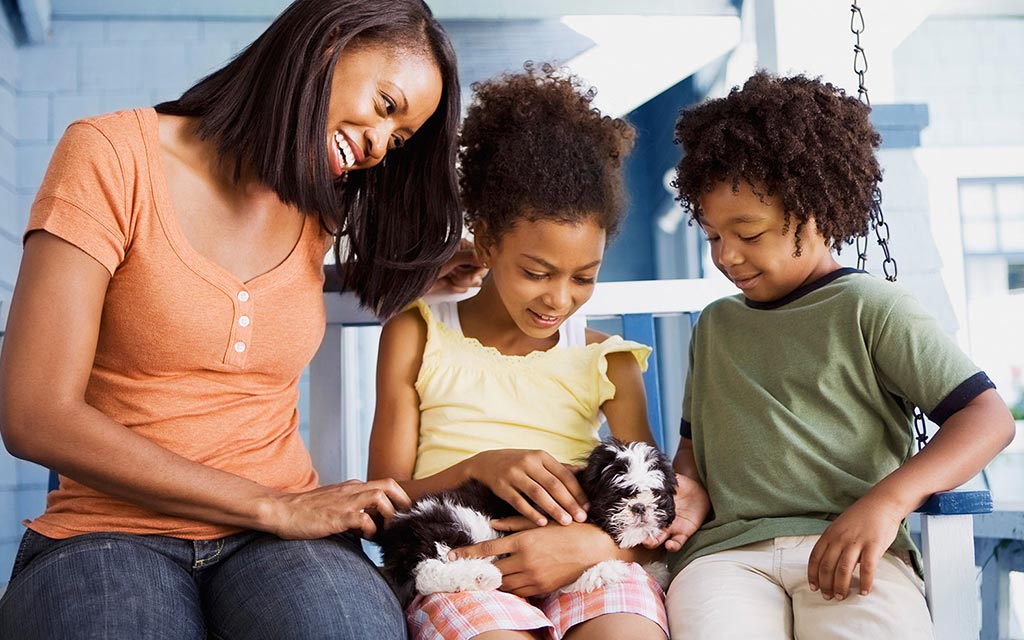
x: 685, y: 430
x: 968, y: 390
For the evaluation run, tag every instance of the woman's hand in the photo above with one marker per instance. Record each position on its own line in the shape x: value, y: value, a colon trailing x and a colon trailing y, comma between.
x: 692, y: 507
x: 859, y: 536
x: 544, y: 559
x: 348, y: 506
x: 517, y: 474
x: 461, y: 272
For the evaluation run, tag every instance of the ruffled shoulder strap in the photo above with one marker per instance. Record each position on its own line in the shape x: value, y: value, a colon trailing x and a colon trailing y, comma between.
x: 615, y: 344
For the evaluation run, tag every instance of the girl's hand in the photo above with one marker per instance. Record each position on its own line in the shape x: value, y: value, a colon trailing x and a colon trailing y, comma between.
x: 543, y: 559
x: 349, y: 506
x: 517, y: 474
x: 859, y: 536
x: 692, y: 507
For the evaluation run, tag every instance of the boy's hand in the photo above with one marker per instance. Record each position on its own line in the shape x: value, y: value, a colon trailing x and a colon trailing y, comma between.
x: 520, y: 475
x: 543, y: 559
x: 692, y: 507
x: 859, y: 536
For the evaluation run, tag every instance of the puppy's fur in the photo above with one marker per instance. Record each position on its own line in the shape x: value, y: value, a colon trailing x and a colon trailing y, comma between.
x: 631, y: 489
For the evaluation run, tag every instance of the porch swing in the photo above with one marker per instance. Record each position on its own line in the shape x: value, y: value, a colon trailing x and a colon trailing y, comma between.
x: 947, y: 537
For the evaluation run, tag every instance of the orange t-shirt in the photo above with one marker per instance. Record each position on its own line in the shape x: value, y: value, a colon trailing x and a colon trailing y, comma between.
x: 188, y: 356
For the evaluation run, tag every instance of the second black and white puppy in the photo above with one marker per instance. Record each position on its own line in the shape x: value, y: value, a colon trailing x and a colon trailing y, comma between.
x: 631, y: 488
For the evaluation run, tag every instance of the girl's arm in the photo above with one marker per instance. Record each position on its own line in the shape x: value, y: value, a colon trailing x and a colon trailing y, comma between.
x: 627, y: 420
x: 44, y: 370
x: 512, y: 474
x: 965, y: 443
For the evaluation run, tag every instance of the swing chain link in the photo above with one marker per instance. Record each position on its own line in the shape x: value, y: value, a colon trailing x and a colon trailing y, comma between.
x: 877, y: 218
x: 860, y: 59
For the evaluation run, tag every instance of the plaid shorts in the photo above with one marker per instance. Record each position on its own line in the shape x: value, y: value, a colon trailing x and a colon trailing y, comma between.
x: 459, y: 616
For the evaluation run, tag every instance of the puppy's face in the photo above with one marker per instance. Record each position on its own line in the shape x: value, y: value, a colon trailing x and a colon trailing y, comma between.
x: 631, y: 489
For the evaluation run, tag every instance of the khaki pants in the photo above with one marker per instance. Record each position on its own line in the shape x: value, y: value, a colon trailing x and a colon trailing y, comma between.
x: 760, y: 591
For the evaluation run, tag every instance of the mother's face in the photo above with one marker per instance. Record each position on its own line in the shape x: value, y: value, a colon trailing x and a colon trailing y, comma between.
x: 380, y: 97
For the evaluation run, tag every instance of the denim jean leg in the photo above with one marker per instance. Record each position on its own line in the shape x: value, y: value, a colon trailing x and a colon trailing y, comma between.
x: 99, y: 586
x: 302, y: 589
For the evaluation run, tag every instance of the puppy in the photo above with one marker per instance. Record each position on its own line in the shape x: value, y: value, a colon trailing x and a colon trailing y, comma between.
x: 631, y: 489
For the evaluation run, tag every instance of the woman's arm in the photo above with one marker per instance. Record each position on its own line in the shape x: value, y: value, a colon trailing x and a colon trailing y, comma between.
x: 44, y: 369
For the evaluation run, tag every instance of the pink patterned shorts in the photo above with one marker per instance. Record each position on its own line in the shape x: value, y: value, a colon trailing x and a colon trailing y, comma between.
x: 459, y: 616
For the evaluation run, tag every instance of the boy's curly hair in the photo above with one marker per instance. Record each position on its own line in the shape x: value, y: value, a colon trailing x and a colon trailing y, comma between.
x: 533, y: 147
x: 797, y: 138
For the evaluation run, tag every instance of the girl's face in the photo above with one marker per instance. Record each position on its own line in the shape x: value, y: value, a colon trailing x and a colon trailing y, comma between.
x: 544, y: 271
x: 750, y: 245
x: 380, y: 97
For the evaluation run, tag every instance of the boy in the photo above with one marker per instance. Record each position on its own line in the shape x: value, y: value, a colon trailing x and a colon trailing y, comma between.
x: 796, y: 416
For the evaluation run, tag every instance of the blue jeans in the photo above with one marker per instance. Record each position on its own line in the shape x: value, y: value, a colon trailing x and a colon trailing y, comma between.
x: 246, y: 586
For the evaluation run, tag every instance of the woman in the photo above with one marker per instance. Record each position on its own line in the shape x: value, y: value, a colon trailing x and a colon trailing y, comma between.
x: 190, y: 239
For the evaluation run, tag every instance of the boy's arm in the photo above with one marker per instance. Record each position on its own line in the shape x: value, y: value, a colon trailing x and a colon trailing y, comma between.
x: 965, y: 443
x: 692, y: 501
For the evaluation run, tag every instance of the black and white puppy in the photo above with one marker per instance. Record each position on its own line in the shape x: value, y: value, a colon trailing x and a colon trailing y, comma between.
x: 631, y: 488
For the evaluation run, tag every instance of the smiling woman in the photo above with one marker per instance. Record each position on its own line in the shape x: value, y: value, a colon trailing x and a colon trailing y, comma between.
x: 191, y: 238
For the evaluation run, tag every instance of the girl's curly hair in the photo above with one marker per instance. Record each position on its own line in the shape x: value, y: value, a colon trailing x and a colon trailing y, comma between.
x: 533, y: 147
x: 797, y: 138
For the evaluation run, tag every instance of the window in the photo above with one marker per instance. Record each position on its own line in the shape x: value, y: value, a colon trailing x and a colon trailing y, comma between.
x: 992, y: 222
x: 1015, y: 276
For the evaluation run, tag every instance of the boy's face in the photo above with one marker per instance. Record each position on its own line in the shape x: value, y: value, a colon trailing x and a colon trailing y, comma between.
x: 749, y: 244
x: 544, y: 271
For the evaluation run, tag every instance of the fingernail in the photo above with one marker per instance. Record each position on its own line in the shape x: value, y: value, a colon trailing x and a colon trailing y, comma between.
x: 541, y: 522
x: 452, y: 555
x: 828, y: 597
x: 814, y: 587
x: 840, y: 597
x: 564, y: 519
x: 586, y: 507
x: 863, y: 592
x: 581, y: 516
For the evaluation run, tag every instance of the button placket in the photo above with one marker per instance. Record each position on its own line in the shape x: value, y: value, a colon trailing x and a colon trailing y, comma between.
x: 241, y: 331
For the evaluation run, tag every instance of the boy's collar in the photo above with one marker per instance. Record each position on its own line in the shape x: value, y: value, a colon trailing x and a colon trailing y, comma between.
x: 800, y: 292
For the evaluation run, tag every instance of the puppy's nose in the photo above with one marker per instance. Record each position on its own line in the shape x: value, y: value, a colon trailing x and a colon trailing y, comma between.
x: 637, y: 508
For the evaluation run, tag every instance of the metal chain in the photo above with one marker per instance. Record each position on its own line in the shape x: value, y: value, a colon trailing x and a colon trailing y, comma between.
x: 877, y: 218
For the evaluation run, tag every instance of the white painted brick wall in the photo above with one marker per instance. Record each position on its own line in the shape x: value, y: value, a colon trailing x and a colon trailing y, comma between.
x: 969, y: 72
x: 87, y: 67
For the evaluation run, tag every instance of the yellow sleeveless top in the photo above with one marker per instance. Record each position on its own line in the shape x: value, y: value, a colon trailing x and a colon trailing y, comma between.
x: 473, y: 398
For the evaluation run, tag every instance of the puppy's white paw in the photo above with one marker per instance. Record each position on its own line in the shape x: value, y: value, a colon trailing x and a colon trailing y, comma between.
x: 469, y: 574
x: 659, y: 571
x: 598, y: 576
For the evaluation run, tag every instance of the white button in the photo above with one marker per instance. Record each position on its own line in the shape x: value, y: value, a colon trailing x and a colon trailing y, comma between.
x: 243, y: 296
x: 243, y: 321
x: 239, y: 347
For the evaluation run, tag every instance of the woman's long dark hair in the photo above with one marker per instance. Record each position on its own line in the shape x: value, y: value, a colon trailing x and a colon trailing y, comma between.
x: 266, y: 110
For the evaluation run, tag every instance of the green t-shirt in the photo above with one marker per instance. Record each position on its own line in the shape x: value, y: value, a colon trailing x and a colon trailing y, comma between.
x: 798, y: 407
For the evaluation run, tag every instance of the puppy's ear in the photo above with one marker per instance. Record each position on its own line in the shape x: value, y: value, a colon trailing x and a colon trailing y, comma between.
x: 590, y: 475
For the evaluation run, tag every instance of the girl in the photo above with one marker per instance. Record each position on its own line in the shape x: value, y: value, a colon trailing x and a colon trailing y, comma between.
x: 191, y: 239
x: 506, y: 387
